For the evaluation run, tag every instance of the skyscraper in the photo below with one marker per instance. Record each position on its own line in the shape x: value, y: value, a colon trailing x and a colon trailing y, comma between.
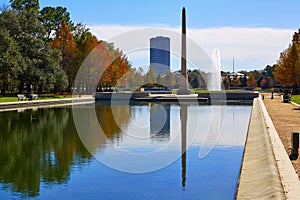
x: 160, y: 54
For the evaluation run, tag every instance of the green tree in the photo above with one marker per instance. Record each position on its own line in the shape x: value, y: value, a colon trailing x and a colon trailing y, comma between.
x: 85, y: 43
x: 268, y: 71
x: 51, y: 18
x: 26, y: 50
x: 10, y: 61
x: 32, y: 5
x: 195, y: 79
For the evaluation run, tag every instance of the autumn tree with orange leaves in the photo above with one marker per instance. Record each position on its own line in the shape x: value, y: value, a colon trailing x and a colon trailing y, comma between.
x: 287, y: 69
x: 116, y: 71
x: 64, y: 41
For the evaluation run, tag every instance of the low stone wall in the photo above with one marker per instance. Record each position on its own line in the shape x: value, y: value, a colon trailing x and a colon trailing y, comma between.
x: 120, y: 95
x: 37, y: 103
x: 229, y: 95
x: 260, y: 177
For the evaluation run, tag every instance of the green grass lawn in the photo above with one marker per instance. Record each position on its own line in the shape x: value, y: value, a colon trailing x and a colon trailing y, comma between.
x: 50, y: 96
x: 41, y: 97
x: 296, y: 99
x: 8, y: 99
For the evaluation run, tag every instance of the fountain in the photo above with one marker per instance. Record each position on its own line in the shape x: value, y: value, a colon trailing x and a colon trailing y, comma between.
x: 214, y: 79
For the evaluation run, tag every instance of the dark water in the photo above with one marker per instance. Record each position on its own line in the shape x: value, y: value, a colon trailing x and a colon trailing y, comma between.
x: 42, y: 155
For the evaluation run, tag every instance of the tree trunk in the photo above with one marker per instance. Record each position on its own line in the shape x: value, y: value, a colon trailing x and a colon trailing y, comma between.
x: 28, y: 87
x: 40, y: 88
x: 3, y: 89
x: 21, y: 87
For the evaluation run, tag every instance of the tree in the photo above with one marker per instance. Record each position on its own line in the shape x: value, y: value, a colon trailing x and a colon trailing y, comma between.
x: 226, y: 82
x: 19, y: 5
x: 244, y: 80
x: 10, y: 61
x: 65, y: 43
x: 52, y: 17
x: 136, y: 78
x: 251, y: 81
x: 266, y: 82
x: 169, y: 80
x: 116, y: 70
x: 24, y: 52
x: 287, y: 70
x: 85, y: 43
x: 195, y: 79
x: 268, y: 71
x: 150, y: 77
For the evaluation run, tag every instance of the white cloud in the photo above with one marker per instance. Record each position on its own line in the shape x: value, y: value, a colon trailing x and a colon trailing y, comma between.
x: 253, y: 48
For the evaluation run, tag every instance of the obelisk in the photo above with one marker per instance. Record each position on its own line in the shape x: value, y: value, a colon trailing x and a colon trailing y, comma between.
x: 183, y: 88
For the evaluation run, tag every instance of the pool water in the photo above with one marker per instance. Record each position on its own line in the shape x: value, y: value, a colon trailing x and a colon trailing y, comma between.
x: 148, y: 151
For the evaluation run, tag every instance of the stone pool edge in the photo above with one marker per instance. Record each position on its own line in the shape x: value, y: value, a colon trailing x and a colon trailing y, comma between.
x: 8, y: 106
x: 289, y: 177
x: 266, y: 172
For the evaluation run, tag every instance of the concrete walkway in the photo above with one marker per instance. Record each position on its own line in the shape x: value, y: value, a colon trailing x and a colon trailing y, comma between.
x: 44, y: 103
x: 267, y: 172
x: 285, y: 117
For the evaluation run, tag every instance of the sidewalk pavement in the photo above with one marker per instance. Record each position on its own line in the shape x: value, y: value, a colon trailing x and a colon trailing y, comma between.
x: 286, y: 119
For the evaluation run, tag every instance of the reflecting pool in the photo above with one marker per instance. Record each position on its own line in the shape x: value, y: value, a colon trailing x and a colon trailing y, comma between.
x: 146, y: 151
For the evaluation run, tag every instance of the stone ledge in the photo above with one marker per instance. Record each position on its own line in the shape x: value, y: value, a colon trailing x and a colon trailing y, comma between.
x: 260, y: 177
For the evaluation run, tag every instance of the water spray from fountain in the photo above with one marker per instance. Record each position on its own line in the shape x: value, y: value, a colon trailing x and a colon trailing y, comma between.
x: 214, y: 81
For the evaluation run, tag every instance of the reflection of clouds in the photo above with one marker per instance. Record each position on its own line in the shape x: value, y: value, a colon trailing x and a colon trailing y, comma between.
x: 206, y: 125
x: 221, y: 128
x: 132, y: 147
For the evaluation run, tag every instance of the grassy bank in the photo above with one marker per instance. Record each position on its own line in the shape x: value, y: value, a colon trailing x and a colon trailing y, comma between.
x: 4, y: 99
x: 8, y: 99
x: 296, y: 99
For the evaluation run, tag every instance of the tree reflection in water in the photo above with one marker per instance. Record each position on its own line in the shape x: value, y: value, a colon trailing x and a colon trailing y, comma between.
x: 38, y: 145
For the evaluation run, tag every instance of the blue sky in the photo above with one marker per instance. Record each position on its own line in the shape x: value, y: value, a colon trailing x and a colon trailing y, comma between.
x: 254, y: 32
x: 200, y: 13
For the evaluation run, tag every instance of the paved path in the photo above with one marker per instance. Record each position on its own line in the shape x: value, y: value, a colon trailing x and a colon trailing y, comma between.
x: 286, y: 118
x: 44, y: 103
x: 260, y: 178
x: 267, y: 172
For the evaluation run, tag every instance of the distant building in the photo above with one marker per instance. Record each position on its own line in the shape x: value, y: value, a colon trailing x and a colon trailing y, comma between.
x: 160, y: 54
x: 235, y: 75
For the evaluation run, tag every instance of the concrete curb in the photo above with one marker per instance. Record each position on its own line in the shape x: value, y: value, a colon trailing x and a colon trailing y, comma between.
x: 287, y: 172
x: 259, y: 178
x: 295, y: 104
x: 43, y: 103
x: 267, y: 172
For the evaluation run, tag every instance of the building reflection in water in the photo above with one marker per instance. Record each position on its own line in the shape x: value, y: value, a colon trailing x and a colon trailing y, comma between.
x: 160, y: 128
x: 160, y: 120
x: 183, y: 120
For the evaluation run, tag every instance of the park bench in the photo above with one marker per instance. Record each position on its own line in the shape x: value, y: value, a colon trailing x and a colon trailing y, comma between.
x: 21, y: 97
x: 33, y: 97
x: 287, y: 97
